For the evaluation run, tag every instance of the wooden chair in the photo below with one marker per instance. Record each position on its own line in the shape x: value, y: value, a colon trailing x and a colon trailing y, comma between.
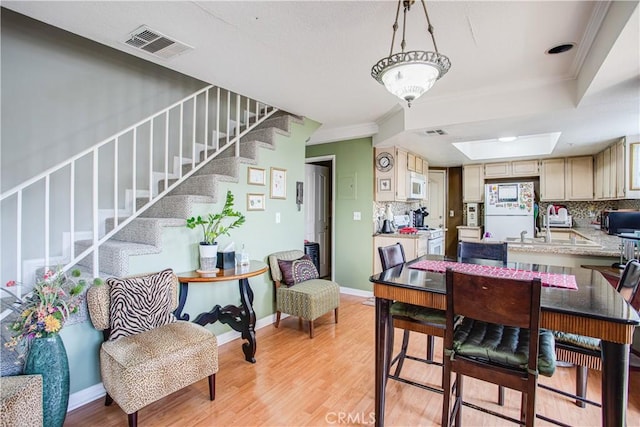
x: 479, y: 252
x: 487, y: 253
x: 494, y: 307
x: 409, y: 318
x: 584, y: 352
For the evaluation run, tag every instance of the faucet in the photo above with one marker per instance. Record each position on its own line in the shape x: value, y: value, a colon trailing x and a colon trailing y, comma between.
x: 522, y: 233
x: 548, y: 229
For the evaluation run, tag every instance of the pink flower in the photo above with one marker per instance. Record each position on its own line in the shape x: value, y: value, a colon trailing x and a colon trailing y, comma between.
x: 10, y: 283
x: 47, y: 274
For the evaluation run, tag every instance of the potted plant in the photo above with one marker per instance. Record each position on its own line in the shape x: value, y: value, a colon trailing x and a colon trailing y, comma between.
x: 216, y: 225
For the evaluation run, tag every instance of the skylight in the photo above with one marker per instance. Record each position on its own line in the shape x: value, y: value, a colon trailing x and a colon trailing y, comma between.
x: 521, y: 146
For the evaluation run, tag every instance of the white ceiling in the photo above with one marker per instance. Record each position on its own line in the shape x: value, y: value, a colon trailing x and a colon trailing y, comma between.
x: 314, y: 58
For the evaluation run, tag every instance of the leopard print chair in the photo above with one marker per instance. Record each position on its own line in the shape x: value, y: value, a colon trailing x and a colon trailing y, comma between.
x: 299, y: 291
x: 147, y: 354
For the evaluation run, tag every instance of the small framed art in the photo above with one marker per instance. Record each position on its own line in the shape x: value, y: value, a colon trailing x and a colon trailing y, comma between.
x: 278, y: 183
x: 255, y: 176
x: 384, y: 184
x: 255, y: 202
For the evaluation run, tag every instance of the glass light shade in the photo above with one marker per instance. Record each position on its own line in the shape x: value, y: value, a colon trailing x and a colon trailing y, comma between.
x: 410, y: 80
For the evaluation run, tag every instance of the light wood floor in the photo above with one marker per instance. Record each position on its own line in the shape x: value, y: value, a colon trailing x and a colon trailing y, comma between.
x: 329, y: 381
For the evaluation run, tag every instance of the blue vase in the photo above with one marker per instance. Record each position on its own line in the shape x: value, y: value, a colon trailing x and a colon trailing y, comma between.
x: 48, y: 357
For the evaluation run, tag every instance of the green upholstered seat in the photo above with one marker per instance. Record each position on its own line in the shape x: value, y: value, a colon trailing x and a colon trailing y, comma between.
x: 588, y: 343
x: 503, y: 345
x: 416, y: 312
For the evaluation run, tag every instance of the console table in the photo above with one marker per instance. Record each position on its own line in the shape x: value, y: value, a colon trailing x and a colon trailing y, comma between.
x: 241, y: 318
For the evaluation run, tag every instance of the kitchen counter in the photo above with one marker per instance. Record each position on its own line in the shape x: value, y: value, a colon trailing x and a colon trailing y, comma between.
x: 399, y: 235
x: 608, y: 245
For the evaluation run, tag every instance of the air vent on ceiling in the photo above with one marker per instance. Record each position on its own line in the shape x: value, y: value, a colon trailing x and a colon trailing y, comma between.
x: 435, y: 132
x: 156, y: 43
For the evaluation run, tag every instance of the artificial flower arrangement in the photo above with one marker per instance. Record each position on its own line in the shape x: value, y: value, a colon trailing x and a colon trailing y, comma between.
x: 43, y: 312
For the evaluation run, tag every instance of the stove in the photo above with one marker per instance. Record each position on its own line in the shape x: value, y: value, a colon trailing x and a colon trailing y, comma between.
x: 432, y: 233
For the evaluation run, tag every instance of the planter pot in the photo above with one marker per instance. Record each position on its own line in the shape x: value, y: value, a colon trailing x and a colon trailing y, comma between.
x: 48, y: 357
x: 208, y: 257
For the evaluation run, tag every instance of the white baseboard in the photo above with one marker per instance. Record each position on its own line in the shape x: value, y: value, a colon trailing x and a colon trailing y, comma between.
x: 356, y: 292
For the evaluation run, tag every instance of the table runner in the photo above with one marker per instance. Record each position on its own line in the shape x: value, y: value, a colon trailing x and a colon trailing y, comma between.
x: 565, y: 281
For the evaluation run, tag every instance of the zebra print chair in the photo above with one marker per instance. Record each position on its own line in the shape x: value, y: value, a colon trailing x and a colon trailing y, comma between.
x: 147, y: 354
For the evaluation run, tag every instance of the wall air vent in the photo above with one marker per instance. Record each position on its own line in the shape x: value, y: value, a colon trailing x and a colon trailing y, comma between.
x: 156, y: 43
x: 433, y: 132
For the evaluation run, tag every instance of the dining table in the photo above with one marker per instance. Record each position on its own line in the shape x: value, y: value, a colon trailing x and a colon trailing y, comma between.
x: 594, y: 309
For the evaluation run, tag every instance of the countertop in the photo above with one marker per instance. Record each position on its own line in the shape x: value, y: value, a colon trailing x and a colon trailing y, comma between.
x: 609, y: 244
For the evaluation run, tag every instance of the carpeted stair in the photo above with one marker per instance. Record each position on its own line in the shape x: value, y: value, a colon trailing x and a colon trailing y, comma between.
x: 143, y: 235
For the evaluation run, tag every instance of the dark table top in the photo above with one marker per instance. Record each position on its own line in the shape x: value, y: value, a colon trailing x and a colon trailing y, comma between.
x: 595, y: 297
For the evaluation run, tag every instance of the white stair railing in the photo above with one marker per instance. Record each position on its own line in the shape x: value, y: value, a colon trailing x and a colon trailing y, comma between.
x: 63, y: 203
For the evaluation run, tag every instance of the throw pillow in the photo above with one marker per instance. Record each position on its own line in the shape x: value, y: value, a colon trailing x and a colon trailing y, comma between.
x: 140, y: 304
x: 297, y: 270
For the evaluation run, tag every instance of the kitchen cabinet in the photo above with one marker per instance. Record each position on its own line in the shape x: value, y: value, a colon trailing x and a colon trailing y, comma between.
x: 469, y: 234
x: 414, y: 245
x: 414, y: 163
x: 552, y: 180
x: 425, y: 172
x: 525, y: 168
x: 511, y: 169
x: 497, y: 170
x: 598, y: 192
x: 401, y: 174
x: 473, y: 183
x: 611, y: 170
x: 621, y: 170
x: 579, y: 178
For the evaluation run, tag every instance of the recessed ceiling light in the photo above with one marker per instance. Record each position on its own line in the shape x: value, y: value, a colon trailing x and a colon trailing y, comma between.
x: 507, y: 138
x: 561, y: 48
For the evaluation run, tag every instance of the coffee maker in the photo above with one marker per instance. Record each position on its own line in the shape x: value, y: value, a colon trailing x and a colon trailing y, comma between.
x: 419, y: 215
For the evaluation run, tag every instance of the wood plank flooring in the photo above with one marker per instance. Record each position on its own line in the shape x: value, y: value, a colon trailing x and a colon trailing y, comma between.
x: 328, y: 380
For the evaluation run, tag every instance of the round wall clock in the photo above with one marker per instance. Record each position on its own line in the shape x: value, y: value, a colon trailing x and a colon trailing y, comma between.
x: 384, y: 162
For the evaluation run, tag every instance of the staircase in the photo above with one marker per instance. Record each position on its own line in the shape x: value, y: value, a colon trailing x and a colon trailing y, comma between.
x: 111, y: 201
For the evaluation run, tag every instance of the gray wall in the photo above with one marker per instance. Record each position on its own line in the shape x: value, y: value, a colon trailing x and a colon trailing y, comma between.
x: 62, y: 93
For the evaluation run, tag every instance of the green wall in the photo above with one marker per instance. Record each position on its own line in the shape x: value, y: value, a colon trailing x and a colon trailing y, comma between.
x: 354, y: 193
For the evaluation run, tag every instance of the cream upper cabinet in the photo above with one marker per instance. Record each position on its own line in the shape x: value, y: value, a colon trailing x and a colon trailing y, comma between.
x: 473, y: 183
x: 621, y: 170
x: 579, y: 178
x: 425, y: 172
x: 411, y: 162
x: 598, y: 176
x: 525, y: 168
x: 497, y: 170
x: 552, y: 182
x: 401, y: 174
x: 606, y: 173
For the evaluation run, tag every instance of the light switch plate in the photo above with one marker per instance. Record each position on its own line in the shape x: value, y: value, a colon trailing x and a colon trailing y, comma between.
x: 357, y: 216
x: 277, y: 217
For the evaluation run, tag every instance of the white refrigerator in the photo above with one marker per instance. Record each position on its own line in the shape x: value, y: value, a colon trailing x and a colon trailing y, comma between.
x: 508, y: 210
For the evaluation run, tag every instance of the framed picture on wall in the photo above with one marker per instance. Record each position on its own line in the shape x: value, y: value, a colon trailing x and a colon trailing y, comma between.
x: 278, y: 183
x: 384, y: 184
x: 256, y: 176
x: 255, y: 202
x: 634, y: 170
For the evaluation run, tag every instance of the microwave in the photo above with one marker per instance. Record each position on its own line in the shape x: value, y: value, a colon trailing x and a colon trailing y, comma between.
x: 417, y: 186
x: 620, y: 221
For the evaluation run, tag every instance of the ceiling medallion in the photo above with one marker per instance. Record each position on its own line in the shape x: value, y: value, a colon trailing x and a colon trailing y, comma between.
x: 408, y: 75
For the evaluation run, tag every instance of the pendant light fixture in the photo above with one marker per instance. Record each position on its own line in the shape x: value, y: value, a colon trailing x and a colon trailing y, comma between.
x: 408, y: 75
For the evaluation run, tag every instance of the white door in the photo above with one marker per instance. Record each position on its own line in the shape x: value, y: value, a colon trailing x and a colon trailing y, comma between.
x: 316, y: 211
x: 436, y: 203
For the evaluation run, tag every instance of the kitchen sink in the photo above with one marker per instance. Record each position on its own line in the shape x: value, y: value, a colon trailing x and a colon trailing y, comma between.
x: 558, y: 238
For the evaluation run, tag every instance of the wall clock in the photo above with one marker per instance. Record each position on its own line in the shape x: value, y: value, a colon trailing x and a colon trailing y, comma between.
x: 384, y: 162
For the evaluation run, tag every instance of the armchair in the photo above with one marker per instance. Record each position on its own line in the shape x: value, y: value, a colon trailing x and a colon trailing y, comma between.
x: 147, y: 354
x: 306, y: 296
